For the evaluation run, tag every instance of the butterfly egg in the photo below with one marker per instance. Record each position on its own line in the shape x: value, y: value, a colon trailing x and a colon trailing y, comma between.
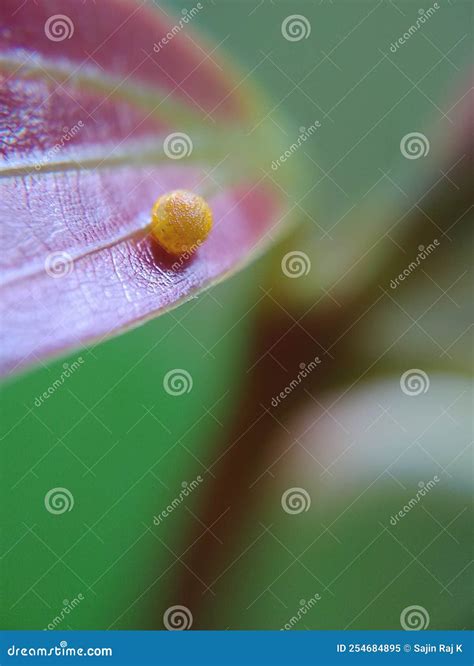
x: 180, y: 221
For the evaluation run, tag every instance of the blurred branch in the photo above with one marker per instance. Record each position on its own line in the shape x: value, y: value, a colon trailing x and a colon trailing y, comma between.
x: 283, y: 338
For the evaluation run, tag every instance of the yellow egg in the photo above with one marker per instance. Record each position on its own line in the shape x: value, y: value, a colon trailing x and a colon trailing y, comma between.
x: 180, y: 221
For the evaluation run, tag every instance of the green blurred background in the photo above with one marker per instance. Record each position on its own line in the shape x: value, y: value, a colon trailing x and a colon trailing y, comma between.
x: 349, y: 436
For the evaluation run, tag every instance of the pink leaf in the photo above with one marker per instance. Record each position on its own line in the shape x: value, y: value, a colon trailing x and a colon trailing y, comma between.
x: 87, y: 108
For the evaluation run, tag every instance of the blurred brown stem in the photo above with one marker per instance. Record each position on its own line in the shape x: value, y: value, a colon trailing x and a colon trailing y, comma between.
x: 252, y: 434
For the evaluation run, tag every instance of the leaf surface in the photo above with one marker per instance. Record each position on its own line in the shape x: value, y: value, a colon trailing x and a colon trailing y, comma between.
x: 87, y: 127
